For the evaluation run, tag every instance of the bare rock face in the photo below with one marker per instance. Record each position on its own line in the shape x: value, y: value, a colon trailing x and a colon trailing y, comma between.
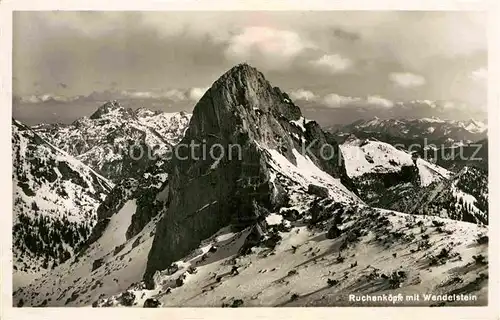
x: 225, y: 180
x: 149, y: 194
x: 317, y: 190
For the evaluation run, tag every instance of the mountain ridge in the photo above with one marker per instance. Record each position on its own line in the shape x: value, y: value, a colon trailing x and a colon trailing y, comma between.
x: 435, y: 130
x: 118, y: 142
x: 55, y: 201
x: 394, y: 179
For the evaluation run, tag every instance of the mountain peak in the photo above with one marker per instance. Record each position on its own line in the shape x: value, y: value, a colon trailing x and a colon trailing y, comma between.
x: 241, y: 109
x: 110, y: 109
x: 238, y: 97
x: 241, y: 76
x: 243, y: 87
x: 145, y: 112
x: 243, y: 69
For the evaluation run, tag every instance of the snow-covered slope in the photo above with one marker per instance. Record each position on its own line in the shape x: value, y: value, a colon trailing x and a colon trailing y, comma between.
x: 117, y: 142
x: 379, y: 252
x: 55, y: 201
x: 109, y: 265
x: 74, y: 283
x: 171, y: 126
x: 299, y: 263
x: 464, y: 197
x: 115, y: 254
x: 374, y: 157
x: 390, y: 178
x: 305, y: 173
x: 474, y: 126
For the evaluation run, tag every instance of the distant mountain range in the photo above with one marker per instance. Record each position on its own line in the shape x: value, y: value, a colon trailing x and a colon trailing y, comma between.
x: 451, y: 144
x: 435, y: 130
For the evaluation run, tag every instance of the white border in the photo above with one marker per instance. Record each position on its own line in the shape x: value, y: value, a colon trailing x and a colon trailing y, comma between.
x: 6, y: 8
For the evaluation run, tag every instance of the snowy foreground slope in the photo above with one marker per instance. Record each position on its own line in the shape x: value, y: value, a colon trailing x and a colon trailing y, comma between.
x: 55, y: 200
x: 300, y: 264
x: 307, y: 269
x: 115, y: 254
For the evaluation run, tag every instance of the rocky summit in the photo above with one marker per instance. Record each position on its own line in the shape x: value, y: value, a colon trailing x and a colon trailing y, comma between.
x: 243, y: 115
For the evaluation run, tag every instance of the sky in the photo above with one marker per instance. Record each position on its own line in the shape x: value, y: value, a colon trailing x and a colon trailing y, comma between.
x: 338, y: 66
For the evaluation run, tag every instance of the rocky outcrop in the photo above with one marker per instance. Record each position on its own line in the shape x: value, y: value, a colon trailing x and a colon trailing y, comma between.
x: 239, y: 117
x: 317, y: 190
x: 148, y: 191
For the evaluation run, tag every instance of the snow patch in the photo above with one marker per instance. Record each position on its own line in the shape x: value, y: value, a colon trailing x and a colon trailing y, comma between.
x: 373, y: 156
x: 306, y: 172
x: 274, y: 219
x: 430, y: 173
x: 299, y: 123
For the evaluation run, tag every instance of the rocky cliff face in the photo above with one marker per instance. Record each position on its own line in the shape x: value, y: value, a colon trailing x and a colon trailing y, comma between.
x: 239, y: 117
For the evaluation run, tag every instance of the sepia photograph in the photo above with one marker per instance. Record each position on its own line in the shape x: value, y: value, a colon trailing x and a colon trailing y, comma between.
x: 250, y: 159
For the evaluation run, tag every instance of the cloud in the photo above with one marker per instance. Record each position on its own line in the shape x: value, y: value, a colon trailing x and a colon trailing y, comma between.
x: 334, y: 100
x: 43, y: 98
x: 304, y: 95
x: 345, y: 35
x: 379, y: 101
x: 140, y: 94
x: 447, y: 105
x: 173, y: 94
x: 480, y: 74
x: 418, y: 103
x: 189, y: 49
x: 407, y: 79
x: 334, y: 63
x: 274, y: 48
x: 195, y: 94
